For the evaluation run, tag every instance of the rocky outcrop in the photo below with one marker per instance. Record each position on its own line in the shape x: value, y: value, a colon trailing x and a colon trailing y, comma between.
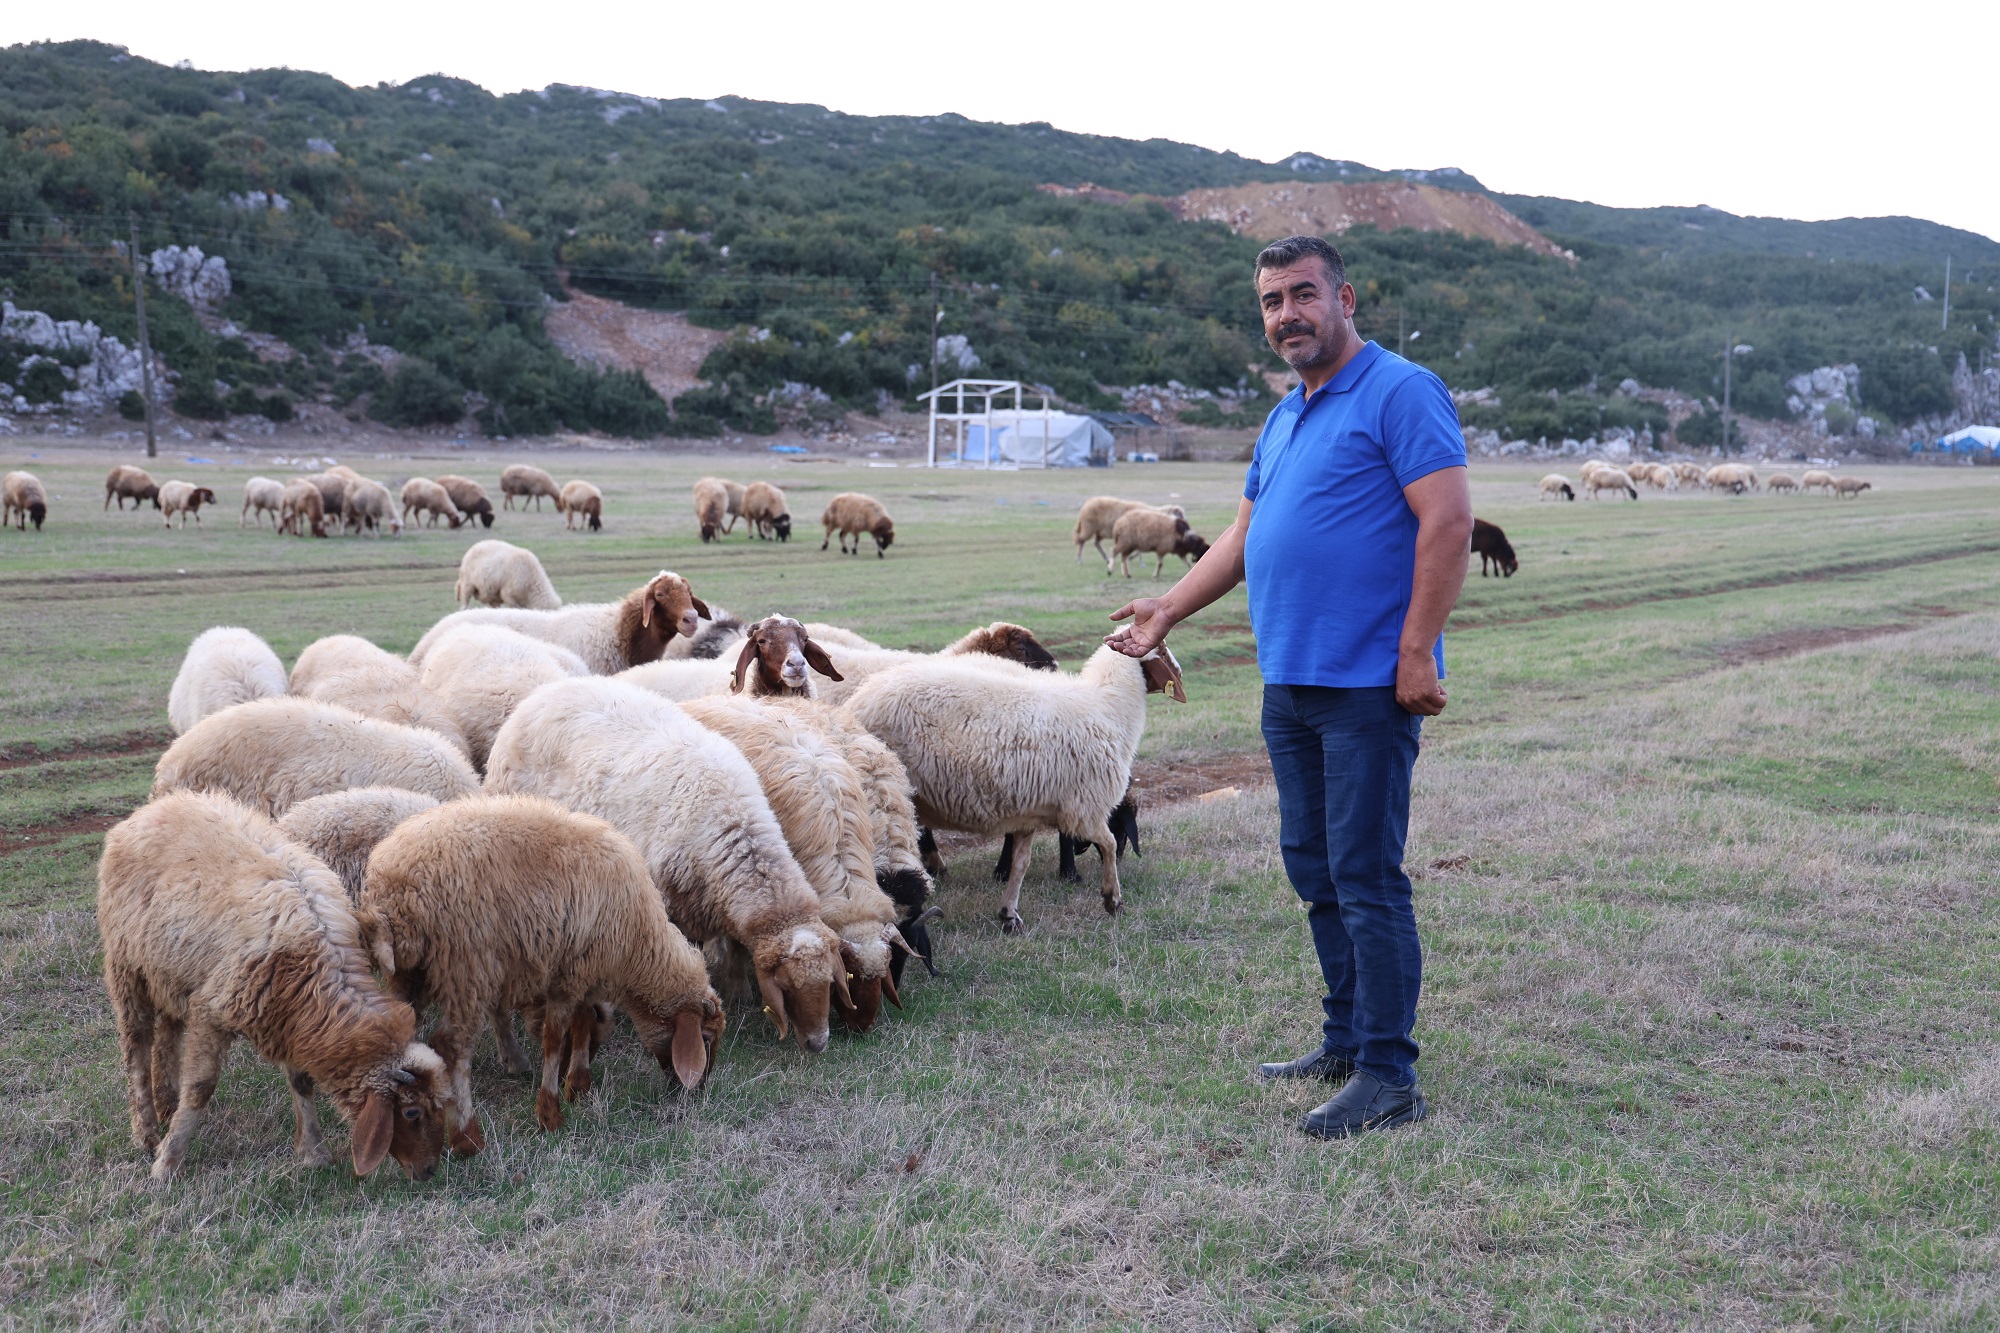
x: 200, y: 280
x: 1270, y: 210
x: 96, y: 368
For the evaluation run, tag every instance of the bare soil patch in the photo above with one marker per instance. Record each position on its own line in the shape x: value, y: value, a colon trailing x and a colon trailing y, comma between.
x: 660, y: 345
x: 111, y: 747
x: 1806, y: 639
x: 47, y: 835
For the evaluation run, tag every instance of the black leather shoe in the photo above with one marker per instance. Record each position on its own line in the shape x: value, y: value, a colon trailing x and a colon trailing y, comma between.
x: 1329, y: 1065
x: 1365, y: 1103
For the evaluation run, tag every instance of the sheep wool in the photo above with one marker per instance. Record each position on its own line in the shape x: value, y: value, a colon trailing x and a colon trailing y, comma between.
x: 497, y: 573
x: 216, y: 927
x: 224, y: 666
x: 480, y: 674
x: 272, y: 753
x: 502, y: 903
x: 608, y: 636
x: 342, y: 828
x: 694, y: 806
x: 347, y: 670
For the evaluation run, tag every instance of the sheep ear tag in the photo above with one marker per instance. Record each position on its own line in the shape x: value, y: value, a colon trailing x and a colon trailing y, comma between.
x: 690, y: 1053
x: 1163, y: 675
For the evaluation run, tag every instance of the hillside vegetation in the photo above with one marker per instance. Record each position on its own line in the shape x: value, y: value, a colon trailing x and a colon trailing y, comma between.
x: 440, y: 220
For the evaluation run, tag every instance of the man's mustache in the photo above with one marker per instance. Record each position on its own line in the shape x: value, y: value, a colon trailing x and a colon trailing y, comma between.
x: 1289, y: 330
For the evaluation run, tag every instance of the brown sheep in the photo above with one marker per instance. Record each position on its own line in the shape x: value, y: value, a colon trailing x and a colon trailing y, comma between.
x: 1852, y: 487
x: 183, y: 498
x: 1144, y: 529
x: 581, y: 498
x: 1490, y: 544
x: 216, y: 927
x: 22, y: 498
x: 711, y: 507
x: 853, y: 514
x: 764, y: 507
x: 1100, y: 514
x: 130, y: 483
x: 1781, y: 481
x: 332, y: 487
x: 469, y: 496
x: 302, y: 507
x: 520, y: 481
x: 421, y: 495
x: 500, y: 903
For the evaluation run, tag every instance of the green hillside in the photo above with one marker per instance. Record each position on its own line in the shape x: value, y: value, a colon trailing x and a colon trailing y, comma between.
x: 441, y: 220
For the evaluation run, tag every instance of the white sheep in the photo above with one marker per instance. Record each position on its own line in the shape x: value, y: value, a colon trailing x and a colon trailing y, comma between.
x: 367, y: 506
x: 1817, y: 479
x: 608, y: 636
x: 1556, y: 485
x: 497, y: 573
x: 499, y: 903
x: 261, y: 494
x: 183, y: 498
x: 712, y: 507
x: 342, y: 828
x: 272, y: 753
x: 216, y: 927
x: 694, y: 806
x: 347, y: 670
x: 480, y: 673
x: 993, y: 748
x: 520, y: 481
x: 581, y: 499
x: 224, y: 666
x: 1608, y: 479
x: 422, y: 496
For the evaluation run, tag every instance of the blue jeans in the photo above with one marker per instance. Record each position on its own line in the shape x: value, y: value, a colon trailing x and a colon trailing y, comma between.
x: 1342, y: 759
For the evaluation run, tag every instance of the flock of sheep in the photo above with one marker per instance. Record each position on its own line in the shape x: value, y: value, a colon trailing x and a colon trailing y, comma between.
x: 718, y: 503
x: 562, y: 811
x: 1136, y: 528
x: 1736, y: 478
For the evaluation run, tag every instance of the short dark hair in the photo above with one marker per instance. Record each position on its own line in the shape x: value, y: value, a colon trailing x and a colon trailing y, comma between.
x: 1294, y: 249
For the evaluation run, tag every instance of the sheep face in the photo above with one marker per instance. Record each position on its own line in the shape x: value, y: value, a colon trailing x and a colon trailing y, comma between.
x: 652, y: 616
x: 782, y: 525
x: 1163, y: 674
x: 684, y: 1041
x: 884, y: 532
x: 38, y: 511
x: 407, y: 1120
x: 797, y: 975
x: 1191, y: 545
x: 1016, y: 644
x: 782, y: 651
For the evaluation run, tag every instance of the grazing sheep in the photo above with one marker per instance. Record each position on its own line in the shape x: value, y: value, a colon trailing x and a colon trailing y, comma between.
x: 853, y: 514
x: 1589, y: 466
x: 1608, y: 479
x: 994, y: 749
x: 366, y: 506
x: 1689, y: 474
x: 693, y: 804
x: 272, y: 753
x: 130, y: 483
x: 215, y: 927
x: 823, y: 810
x: 302, y: 509
x: 22, y: 498
x: 1556, y: 484
x: 764, y: 507
x: 1852, y: 487
x: 775, y: 656
x: 1099, y: 516
x: 421, y: 495
x: 1155, y: 532
x: 480, y: 674
x: 1734, y: 477
x: 1781, y: 481
x: 342, y: 828
x: 259, y: 495
x: 1817, y: 480
x: 520, y: 481
x: 183, y: 498
x: 892, y: 811
x: 580, y: 498
x: 497, y: 573
x: 711, y: 507
x: 1657, y: 475
x: 224, y: 666
x: 608, y: 636
x: 500, y: 903
x: 1490, y: 545
x: 469, y: 496
x: 332, y: 488
x: 352, y: 672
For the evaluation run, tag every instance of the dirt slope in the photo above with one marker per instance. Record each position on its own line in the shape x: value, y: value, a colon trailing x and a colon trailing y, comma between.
x: 660, y: 345
x: 1270, y: 210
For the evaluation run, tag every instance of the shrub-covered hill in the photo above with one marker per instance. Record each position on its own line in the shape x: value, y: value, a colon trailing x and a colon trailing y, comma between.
x: 441, y: 220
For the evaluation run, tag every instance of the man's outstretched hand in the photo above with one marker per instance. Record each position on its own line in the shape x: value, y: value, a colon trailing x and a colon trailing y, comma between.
x: 1150, y: 622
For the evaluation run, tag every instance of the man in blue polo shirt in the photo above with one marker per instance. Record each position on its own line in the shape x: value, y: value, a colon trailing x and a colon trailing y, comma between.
x: 1356, y: 559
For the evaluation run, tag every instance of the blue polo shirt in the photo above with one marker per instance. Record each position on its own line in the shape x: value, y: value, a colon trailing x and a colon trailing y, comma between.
x: 1331, y: 554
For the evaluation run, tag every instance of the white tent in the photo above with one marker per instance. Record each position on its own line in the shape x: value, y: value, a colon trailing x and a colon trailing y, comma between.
x: 1986, y: 437
x: 1038, y: 439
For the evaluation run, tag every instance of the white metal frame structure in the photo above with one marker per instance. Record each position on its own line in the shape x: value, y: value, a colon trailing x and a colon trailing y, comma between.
x: 985, y: 392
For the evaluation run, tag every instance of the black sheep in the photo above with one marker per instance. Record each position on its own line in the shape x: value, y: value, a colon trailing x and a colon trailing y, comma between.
x: 1491, y: 544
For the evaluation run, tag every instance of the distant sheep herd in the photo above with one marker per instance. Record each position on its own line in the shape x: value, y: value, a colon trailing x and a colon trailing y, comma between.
x: 558, y: 812
x: 1736, y: 478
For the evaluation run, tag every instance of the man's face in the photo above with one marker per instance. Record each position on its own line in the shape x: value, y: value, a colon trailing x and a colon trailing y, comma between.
x: 1306, y: 318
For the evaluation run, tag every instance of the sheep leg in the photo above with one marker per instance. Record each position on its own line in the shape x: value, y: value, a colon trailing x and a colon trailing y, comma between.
x: 201, y: 1060
x: 1107, y: 853
x: 555, y: 1030
x: 307, y: 1145
x: 136, y: 1035
x: 1159, y: 563
x: 1005, y: 865
x: 1010, y: 902
x: 167, y: 1037
x: 456, y: 1051
x: 927, y: 850
x: 511, y: 1053
x: 1066, y: 859
x: 582, y: 1044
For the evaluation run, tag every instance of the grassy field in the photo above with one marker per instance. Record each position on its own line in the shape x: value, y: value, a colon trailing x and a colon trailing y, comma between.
x: 1704, y: 850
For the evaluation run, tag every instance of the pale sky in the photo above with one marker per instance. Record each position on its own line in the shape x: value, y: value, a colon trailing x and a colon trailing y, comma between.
x: 1789, y: 110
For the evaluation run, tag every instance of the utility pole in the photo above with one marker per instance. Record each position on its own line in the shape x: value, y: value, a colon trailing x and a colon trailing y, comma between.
x: 1728, y: 357
x: 145, y: 344
x: 937, y: 318
x: 1946, y: 326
